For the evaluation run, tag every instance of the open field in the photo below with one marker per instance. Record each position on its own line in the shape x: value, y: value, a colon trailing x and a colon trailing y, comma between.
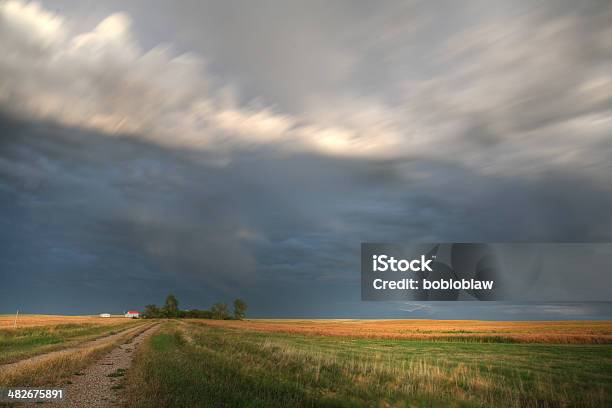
x: 314, y: 363
x: 36, y: 334
x: 190, y: 364
x: 32, y: 320
x: 569, y: 332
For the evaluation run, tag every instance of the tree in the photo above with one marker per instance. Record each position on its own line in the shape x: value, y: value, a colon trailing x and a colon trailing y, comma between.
x: 151, y: 311
x: 240, y: 308
x: 198, y: 314
x: 171, y: 307
x: 219, y: 311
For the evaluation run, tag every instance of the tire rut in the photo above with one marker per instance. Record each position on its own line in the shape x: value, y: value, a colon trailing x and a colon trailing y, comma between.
x: 99, y: 385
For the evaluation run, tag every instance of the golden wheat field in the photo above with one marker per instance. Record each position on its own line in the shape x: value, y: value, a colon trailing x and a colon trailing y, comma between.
x: 578, y: 332
x: 30, y: 320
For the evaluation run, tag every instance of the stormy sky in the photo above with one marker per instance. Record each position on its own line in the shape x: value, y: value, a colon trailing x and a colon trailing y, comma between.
x: 245, y: 149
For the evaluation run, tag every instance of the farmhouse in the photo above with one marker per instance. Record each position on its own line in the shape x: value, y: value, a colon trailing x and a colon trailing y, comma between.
x: 104, y: 314
x: 134, y: 314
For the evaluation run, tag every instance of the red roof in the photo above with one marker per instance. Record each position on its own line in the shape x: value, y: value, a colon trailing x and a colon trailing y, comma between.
x: 133, y: 311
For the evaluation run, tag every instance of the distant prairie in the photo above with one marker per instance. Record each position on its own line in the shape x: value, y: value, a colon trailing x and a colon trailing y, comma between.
x: 33, y: 320
x: 560, y: 332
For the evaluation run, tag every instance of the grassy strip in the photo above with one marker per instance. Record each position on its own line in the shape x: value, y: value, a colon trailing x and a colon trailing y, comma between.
x: 199, y: 366
x: 16, y: 344
x: 55, y: 368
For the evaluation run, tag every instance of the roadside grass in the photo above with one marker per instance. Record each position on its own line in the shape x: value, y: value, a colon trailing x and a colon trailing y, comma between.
x: 193, y: 365
x: 56, y: 368
x: 16, y: 344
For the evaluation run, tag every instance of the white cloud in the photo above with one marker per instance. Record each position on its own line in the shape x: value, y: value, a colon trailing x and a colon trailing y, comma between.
x: 416, y: 307
x: 103, y: 80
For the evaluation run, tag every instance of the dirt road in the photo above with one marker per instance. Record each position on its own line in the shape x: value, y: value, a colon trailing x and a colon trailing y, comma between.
x: 98, y: 386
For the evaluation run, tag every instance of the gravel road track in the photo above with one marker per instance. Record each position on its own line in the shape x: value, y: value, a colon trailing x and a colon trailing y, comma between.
x: 98, y: 385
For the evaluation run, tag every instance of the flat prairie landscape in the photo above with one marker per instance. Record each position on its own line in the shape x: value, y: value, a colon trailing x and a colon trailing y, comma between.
x: 313, y: 363
x: 37, y: 334
x: 580, y: 332
x: 30, y: 320
x: 357, y: 363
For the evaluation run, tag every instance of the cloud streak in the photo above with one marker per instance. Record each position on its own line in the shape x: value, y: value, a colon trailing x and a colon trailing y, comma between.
x: 523, y: 95
x: 103, y: 80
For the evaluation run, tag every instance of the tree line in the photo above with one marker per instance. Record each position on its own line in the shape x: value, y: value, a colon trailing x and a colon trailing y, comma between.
x: 219, y: 311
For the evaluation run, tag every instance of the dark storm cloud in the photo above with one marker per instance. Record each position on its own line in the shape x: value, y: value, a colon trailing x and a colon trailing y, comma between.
x: 103, y: 221
x: 253, y: 154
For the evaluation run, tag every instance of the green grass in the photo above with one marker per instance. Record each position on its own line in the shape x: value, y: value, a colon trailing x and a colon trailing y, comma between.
x: 199, y: 366
x: 20, y: 343
x: 120, y: 372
